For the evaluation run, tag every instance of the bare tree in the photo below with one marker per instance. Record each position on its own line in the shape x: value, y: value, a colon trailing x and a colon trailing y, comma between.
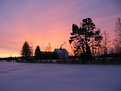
x: 118, y: 36
x: 105, y: 45
x: 48, y: 47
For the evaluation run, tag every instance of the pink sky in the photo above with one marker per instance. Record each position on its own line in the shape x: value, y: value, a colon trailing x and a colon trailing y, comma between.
x: 49, y: 21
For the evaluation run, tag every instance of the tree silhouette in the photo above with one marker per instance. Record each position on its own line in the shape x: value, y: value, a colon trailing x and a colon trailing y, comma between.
x: 26, y: 51
x: 118, y: 36
x: 96, y: 43
x: 48, y: 47
x: 106, y: 43
x: 83, y: 37
x: 37, y: 53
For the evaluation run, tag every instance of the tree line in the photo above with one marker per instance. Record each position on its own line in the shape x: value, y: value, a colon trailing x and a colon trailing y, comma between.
x: 87, y: 42
x: 27, y: 53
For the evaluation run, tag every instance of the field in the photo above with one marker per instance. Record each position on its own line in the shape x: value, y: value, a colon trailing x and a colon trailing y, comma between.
x: 59, y: 77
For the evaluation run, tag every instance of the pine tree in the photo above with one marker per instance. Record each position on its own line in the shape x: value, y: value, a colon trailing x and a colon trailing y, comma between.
x: 83, y: 37
x: 37, y: 53
x: 26, y: 51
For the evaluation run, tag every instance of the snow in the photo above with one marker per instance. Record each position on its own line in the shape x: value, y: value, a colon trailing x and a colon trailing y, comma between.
x: 59, y: 77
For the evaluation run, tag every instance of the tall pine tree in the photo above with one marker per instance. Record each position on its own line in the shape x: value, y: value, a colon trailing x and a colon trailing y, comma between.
x: 26, y: 51
x: 83, y: 37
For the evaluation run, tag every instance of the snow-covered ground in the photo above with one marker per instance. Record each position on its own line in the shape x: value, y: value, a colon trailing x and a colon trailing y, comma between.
x: 59, y: 77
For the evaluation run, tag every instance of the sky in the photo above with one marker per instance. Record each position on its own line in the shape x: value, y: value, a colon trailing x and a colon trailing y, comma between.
x: 43, y: 22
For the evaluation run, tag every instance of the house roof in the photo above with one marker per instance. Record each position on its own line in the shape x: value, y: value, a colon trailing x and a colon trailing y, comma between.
x: 60, y: 50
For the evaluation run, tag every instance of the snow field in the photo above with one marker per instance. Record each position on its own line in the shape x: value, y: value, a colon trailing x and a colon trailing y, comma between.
x: 59, y: 77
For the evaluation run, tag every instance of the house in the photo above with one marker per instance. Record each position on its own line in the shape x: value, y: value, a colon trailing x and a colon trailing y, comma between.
x: 62, y: 53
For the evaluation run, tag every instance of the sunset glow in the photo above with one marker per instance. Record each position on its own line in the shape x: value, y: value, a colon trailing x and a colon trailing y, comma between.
x: 50, y: 21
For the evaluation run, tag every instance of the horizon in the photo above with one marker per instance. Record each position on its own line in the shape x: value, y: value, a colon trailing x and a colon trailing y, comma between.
x: 47, y: 21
